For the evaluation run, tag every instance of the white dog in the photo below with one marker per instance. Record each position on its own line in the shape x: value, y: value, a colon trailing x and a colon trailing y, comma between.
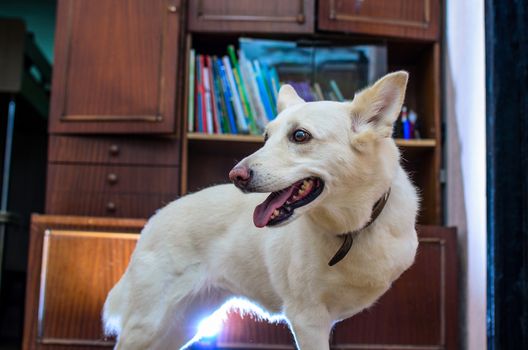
x: 334, y: 175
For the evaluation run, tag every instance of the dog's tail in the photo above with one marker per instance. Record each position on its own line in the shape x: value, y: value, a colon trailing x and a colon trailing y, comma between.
x: 114, y: 307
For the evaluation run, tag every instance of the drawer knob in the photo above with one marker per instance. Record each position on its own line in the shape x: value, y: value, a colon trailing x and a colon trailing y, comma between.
x: 114, y: 150
x: 112, y: 178
x: 111, y: 207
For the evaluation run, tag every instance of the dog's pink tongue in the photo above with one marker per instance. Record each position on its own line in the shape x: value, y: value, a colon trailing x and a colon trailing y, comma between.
x: 263, y: 211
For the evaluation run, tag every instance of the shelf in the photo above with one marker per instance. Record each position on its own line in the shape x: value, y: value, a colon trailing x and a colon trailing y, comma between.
x: 421, y: 143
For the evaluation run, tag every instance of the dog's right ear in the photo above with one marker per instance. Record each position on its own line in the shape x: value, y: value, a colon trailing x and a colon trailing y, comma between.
x: 287, y: 97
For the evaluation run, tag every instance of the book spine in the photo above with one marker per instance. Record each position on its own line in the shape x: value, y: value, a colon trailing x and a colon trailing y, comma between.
x: 253, y: 91
x: 214, y: 107
x: 336, y: 91
x: 208, y: 101
x: 263, y: 93
x: 202, y: 92
x: 190, y: 101
x: 248, y: 110
x: 241, y: 119
x: 318, y: 92
x: 227, y: 96
x: 198, y: 109
x: 217, y: 90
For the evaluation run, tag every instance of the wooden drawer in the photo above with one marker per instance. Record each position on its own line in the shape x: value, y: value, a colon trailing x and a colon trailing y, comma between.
x: 137, y: 180
x: 294, y: 16
x: 114, y: 150
x: 73, y: 263
x: 106, y: 204
x: 419, y: 19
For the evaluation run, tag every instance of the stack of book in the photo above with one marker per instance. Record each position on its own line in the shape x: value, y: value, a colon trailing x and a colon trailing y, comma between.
x: 230, y: 94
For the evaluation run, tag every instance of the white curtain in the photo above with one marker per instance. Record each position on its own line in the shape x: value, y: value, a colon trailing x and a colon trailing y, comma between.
x: 466, y: 158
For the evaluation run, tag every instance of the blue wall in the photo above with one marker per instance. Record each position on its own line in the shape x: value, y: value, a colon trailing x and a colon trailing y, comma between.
x: 39, y: 16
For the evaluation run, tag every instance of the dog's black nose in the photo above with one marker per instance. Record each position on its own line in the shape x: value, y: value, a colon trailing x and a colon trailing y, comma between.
x: 240, y: 175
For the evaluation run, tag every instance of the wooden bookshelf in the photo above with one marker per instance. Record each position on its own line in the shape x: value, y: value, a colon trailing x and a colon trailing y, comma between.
x: 197, y: 136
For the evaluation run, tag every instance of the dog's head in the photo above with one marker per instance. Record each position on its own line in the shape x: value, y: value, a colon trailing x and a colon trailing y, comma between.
x: 324, y: 153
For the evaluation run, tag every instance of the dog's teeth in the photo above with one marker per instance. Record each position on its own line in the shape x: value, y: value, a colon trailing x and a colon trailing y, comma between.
x: 276, y: 212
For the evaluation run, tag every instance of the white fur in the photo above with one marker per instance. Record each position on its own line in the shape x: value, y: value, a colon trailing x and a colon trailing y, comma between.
x: 203, y: 249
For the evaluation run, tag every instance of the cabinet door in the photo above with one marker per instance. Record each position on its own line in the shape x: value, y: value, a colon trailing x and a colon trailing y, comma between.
x: 418, y: 19
x: 279, y: 16
x: 115, y: 66
x: 420, y: 311
x: 73, y: 264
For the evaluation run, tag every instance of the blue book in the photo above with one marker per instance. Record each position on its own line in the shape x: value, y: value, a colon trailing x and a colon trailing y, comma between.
x: 263, y: 92
x: 199, y: 111
x: 227, y: 95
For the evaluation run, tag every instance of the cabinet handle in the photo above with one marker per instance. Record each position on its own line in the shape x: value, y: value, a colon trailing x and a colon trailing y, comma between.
x: 114, y: 150
x: 111, y: 207
x: 112, y: 178
x: 172, y: 8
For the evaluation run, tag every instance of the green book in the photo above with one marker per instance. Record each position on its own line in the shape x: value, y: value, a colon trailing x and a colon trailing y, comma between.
x: 190, y: 101
x: 248, y: 108
x: 224, y: 121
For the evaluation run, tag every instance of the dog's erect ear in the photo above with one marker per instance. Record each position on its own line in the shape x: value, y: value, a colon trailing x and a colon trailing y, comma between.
x: 377, y: 107
x: 287, y: 97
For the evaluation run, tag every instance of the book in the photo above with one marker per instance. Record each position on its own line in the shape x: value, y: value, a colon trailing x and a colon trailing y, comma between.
x: 248, y: 75
x: 263, y: 92
x: 198, y: 115
x: 203, y: 117
x: 208, y: 101
x: 217, y: 91
x: 227, y: 96
x: 248, y: 109
x: 318, y: 91
x: 214, y: 107
x: 336, y: 90
x: 235, y: 97
x: 190, y: 101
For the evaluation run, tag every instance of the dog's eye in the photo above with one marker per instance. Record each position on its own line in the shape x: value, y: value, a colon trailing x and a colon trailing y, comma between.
x: 301, y: 136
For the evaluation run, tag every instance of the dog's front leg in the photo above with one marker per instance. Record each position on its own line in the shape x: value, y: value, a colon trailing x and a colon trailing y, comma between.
x: 311, y: 327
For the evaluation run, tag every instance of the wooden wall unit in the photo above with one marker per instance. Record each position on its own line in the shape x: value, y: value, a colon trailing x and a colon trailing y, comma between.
x: 115, y: 66
x: 119, y: 148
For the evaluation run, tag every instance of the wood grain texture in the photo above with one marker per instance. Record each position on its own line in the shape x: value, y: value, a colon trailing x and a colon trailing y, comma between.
x: 420, y: 310
x: 109, y: 190
x: 137, y: 180
x: 115, y: 67
x: 115, y: 250
x: 106, y: 204
x: 416, y: 19
x: 272, y: 16
x: 79, y: 269
x: 114, y: 150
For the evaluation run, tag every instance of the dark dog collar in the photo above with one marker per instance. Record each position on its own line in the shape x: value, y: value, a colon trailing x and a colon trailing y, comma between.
x: 349, y: 236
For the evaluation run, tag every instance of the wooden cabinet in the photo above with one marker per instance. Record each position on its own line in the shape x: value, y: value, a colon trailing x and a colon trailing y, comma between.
x: 115, y: 66
x: 73, y: 264
x: 76, y: 260
x: 419, y: 19
x: 420, y: 311
x: 111, y: 176
x: 271, y: 16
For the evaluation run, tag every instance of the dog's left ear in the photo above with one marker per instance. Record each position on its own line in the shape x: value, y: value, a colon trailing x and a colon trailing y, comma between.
x: 377, y: 107
x: 287, y: 97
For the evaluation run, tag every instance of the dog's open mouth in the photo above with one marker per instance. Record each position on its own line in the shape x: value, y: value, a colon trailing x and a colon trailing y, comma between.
x: 280, y: 205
